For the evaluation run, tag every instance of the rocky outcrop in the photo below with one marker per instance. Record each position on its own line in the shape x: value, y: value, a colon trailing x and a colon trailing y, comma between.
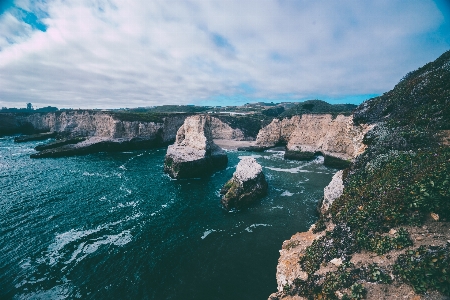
x: 35, y: 137
x: 223, y: 131
x: 59, y: 143
x: 94, y: 145
x: 247, y: 185
x: 194, y: 153
x: 288, y: 268
x: 332, y: 191
x: 11, y: 123
x: 110, y: 130
x: 91, y: 131
x: 378, y: 227
x: 315, y: 133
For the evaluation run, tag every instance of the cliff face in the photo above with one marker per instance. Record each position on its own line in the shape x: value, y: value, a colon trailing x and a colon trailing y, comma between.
x: 223, y: 131
x: 194, y: 153
x: 85, y: 123
x: 384, y: 226
x: 103, y: 124
x: 338, y: 137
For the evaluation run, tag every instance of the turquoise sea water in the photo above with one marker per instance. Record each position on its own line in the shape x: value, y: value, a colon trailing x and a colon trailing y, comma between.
x: 114, y: 226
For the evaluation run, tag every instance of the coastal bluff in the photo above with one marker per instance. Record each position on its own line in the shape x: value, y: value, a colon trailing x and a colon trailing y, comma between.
x: 383, y: 230
x: 194, y: 153
x: 247, y: 185
x: 79, y: 132
x: 309, y: 134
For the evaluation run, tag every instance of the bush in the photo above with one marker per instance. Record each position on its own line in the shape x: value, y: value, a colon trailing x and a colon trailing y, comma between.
x: 425, y: 268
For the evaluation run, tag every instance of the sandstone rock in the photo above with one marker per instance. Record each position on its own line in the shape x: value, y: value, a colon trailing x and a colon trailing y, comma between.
x: 223, y: 131
x: 194, y: 153
x: 311, y: 133
x: 434, y: 216
x: 247, y: 185
x: 11, y: 124
x: 288, y: 268
x: 336, y: 261
x: 332, y: 191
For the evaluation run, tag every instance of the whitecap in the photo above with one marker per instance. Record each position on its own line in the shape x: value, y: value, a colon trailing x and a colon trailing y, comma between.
x: 290, y: 170
x: 287, y: 193
x: 206, y: 233
x: 277, y: 207
x: 253, y: 155
x: 248, y: 229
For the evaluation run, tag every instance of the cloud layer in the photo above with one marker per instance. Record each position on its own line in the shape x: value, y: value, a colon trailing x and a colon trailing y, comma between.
x: 111, y: 53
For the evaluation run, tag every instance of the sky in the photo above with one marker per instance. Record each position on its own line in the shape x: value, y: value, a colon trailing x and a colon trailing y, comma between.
x: 138, y: 53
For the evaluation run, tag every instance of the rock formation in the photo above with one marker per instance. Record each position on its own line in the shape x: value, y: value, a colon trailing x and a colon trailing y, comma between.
x: 308, y: 134
x: 332, y: 191
x: 247, y: 185
x: 221, y: 130
x: 84, y: 131
x: 194, y: 153
x: 372, y: 227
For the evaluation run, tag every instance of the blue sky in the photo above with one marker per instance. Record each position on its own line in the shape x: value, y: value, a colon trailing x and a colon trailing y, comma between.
x: 114, y: 53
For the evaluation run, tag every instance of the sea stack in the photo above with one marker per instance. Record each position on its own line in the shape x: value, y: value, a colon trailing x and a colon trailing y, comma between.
x: 247, y: 185
x: 194, y: 153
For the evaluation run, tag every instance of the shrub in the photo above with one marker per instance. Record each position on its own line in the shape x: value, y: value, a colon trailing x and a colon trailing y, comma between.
x: 425, y: 268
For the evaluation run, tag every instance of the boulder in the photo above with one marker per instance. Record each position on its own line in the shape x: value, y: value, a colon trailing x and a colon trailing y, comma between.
x: 194, y: 153
x: 247, y: 185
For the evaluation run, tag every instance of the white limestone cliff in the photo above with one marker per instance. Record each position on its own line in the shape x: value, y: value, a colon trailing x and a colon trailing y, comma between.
x: 337, y: 137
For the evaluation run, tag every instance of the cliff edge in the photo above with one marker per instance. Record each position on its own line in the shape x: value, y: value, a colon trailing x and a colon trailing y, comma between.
x: 384, y: 230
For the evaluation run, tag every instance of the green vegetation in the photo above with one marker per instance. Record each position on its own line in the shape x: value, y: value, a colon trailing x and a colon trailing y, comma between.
x: 346, y: 277
x: 426, y: 268
x: 400, y: 188
x: 421, y: 98
x: 401, y: 178
x: 249, y: 124
x: 318, y: 107
x: 140, y: 116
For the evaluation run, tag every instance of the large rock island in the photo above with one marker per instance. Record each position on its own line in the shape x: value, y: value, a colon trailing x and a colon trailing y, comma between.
x: 194, y: 153
x: 247, y: 185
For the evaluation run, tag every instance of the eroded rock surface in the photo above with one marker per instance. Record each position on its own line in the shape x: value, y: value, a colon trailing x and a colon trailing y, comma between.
x: 337, y: 137
x: 247, y: 185
x: 332, y: 191
x: 194, y: 153
x: 223, y: 131
x: 91, y: 131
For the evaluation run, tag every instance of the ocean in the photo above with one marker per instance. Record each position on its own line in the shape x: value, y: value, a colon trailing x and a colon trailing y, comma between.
x: 114, y: 226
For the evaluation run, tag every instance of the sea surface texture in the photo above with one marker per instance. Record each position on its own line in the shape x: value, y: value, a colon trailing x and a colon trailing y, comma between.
x: 114, y: 226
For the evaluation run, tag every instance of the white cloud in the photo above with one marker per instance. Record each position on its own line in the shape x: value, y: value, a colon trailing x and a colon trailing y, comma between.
x: 108, y: 53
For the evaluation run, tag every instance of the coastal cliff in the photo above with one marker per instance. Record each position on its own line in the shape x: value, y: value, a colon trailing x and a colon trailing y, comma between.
x: 384, y: 228
x: 104, y: 131
x: 337, y: 137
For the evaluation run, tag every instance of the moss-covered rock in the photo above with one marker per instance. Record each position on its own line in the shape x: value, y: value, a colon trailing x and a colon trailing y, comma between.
x: 247, y: 185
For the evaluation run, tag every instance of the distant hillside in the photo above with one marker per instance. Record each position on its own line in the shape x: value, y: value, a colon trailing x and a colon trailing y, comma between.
x: 178, y: 109
x: 318, y: 107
